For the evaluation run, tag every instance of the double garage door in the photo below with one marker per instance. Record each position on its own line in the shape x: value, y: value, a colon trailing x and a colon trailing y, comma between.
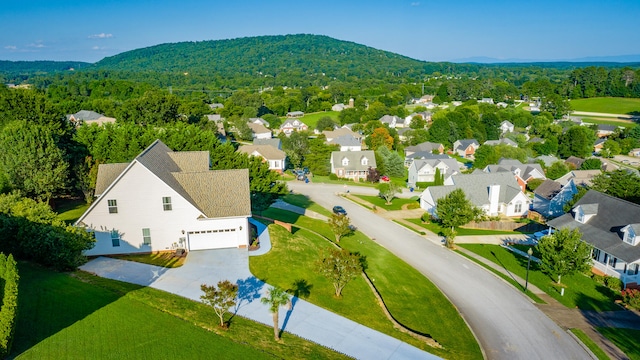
x: 213, y: 239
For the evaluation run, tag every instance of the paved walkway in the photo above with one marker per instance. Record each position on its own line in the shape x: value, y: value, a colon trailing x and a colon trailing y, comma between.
x: 304, y: 319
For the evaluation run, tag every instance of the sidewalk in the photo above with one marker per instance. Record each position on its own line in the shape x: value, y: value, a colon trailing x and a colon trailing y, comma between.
x: 568, y: 318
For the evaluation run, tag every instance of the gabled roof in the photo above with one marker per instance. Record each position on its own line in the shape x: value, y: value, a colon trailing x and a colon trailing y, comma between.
x: 425, y: 146
x: 505, y: 141
x: 548, y: 189
x: 345, y: 140
x: 354, y: 158
x: 427, y: 155
x: 575, y: 161
x: 465, y: 143
x: 266, y: 151
x: 86, y: 115
x: 332, y: 134
x: 259, y: 120
x: 579, y: 177
x: 451, y: 164
x: 506, y: 123
x: 603, y: 230
x: 389, y: 119
x: 512, y: 165
x: 275, y: 142
x: 291, y: 123
x: 476, y: 187
x: 258, y: 128
x: 188, y: 174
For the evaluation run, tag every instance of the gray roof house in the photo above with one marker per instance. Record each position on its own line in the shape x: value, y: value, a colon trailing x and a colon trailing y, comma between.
x: 612, y: 226
x: 579, y: 177
x: 424, y: 170
x: 506, y: 126
x: 505, y: 141
x: 275, y: 142
x: 424, y: 147
x: 466, y: 148
x: 163, y: 200
x: 291, y: 125
x: 523, y: 172
x: 332, y: 134
x: 496, y: 194
x: 352, y: 164
x: 260, y: 121
x: 551, y: 196
x: 89, y: 117
x: 392, y: 120
x: 346, y: 143
x: 259, y: 131
x: 273, y: 156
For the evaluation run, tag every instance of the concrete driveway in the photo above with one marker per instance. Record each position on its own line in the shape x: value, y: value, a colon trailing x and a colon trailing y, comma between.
x: 505, y: 322
x: 304, y: 319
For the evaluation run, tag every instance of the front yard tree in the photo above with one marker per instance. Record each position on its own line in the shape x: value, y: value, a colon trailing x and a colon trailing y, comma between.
x: 220, y: 298
x: 341, y: 266
x: 455, y: 210
x: 340, y: 225
x: 563, y: 253
x: 276, y: 297
x: 388, y: 191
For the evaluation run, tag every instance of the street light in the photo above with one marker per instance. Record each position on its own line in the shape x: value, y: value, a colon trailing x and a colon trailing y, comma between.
x: 526, y: 283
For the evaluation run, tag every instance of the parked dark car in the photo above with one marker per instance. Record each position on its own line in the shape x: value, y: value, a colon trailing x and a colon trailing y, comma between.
x: 339, y: 210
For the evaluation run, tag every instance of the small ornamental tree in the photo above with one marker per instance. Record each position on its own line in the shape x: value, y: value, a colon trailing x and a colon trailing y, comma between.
x: 220, y: 298
x: 454, y: 210
x: 388, y: 191
x: 341, y: 266
x: 340, y: 225
x: 276, y: 297
x: 373, y: 175
x: 564, y: 253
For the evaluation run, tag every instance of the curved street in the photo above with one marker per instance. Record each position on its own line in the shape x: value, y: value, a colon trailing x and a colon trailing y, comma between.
x: 505, y: 322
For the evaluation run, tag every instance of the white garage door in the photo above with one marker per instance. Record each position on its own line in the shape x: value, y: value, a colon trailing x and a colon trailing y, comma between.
x: 213, y: 239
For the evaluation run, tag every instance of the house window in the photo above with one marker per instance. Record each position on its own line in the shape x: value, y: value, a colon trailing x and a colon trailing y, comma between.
x: 580, y: 215
x: 365, y: 161
x: 345, y: 162
x: 518, y: 207
x: 113, y: 206
x: 115, y: 238
x: 595, y: 254
x: 146, y: 236
x: 166, y: 203
x: 630, y: 236
x: 633, y: 269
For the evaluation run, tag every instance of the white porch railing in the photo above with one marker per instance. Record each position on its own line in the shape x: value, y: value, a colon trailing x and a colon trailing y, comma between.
x: 617, y: 273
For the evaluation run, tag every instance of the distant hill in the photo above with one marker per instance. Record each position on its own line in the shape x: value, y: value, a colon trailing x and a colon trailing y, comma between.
x: 604, y: 60
x: 272, y: 56
x: 34, y: 67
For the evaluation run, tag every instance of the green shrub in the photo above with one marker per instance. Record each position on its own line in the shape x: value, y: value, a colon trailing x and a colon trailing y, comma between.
x: 333, y: 176
x: 598, y: 278
x: 9, y: 275
x: 426, y: 217
x: 612, y: 283
x: 414, y: 205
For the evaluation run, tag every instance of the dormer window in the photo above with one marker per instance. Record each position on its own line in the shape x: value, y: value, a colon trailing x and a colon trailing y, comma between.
x: 579, y: 215
x: 364, y: 161
x: 630, y: 234
x: 345, y: 162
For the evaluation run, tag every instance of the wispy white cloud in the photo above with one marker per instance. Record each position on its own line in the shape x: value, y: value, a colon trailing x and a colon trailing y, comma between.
x: 11, y: 47
x: 37, y: 45
x: 415, y: 3
x: 100, y: 36
x: 98, y: 48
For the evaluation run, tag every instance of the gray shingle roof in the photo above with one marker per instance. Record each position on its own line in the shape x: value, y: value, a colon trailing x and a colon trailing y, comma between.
x: 188, y: 174
x: 511, y: 165
x: 548, y: 189
x: 258, y: 128
x: 476, y: 187
x: 465, y: 143
x: 275, y: 142
x: 345, y: 140
x: 87, y: 115
x: 425, y: 146
x: 603, y: 229
x: 427, y: 155
x: 355, y: 159
x: 452, y: 164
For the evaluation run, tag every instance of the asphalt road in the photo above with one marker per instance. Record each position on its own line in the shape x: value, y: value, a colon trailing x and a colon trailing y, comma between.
x: 505, y: 322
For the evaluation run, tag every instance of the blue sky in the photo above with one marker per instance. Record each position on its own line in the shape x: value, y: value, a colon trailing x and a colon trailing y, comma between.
x: 422, y: 29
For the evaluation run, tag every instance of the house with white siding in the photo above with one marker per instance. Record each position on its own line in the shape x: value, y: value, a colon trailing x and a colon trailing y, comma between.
x: 163, y: 200
x: 275, y: 157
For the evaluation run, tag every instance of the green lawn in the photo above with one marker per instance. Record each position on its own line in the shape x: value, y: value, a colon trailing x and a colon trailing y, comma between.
x: 303, y: 201
x: 581, y: 291
x: 311, y: 119
x: 625, y: 339
x: 292, y: 260
x: 70, y: 210
x: 326, y: 180
x: 601, y: 355
x: 610, y: 105
x: 436, y: 228
x: 81, y: 316
x: 396, y: 203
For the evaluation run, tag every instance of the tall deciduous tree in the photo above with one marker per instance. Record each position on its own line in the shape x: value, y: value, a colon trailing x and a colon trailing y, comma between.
x: 557, y: 170
x: 32, y: 161
x: 341, y: 266
x: 340, y: 225
x: 577, y: 141
x: 619, y: 183
x: 276, y: 297
x: 380, y: 137
x: 454, y: 210
x: 220, y: 298
x: 564, y: 253
x: 390, y: 161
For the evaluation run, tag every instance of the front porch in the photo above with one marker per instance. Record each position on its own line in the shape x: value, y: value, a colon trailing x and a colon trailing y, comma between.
x: 609, y: 265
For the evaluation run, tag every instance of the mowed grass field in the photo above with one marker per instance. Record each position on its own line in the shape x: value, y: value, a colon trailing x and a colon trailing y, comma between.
x: 311, y: 119
x: 81, y: 316
x: 608, y: 105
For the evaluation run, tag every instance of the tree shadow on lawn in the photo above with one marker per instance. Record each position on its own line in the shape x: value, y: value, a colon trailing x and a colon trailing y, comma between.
x: 300, y: 288
x: 51, y: 301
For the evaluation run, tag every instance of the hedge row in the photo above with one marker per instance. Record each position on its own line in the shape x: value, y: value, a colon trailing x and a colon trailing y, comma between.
x: 9, y: 276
